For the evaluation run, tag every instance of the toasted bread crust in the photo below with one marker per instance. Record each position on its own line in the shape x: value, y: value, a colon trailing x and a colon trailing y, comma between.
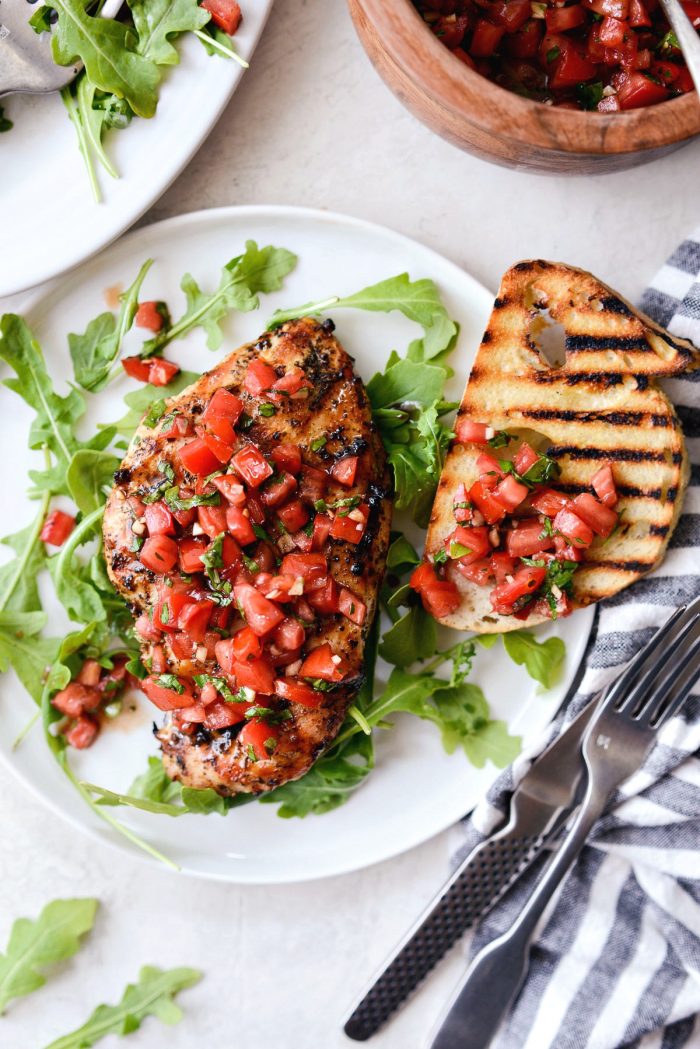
x: 600, y: 405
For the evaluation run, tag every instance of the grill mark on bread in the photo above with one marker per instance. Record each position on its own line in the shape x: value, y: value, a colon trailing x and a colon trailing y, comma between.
x: 604, y: 379
x: 596, y: 343
x: 611, y: 304
x: 626, y: 491
x: 613, y: 418
x: 620, y: 455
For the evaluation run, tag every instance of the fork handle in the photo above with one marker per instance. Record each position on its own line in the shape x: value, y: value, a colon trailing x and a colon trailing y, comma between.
x: 492, y: 981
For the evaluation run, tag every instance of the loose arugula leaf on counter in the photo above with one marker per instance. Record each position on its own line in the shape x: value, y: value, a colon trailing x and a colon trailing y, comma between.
x: 542, y: 659
x: 94, y: 352
x: 156, y: 21
x: 35, y: 944
x: 106, y: 48
x: 152, y: 995
x: 242, y: 279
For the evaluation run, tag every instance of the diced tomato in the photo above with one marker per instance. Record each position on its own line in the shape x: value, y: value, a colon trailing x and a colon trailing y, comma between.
x: 162, y: 372
x: 461, y: 505
x: 185, y: 517
x: 293, y: 515
x: 484, y: 43
x: 90, y: 673
x: 251, y: 465
x: 226, y: 14
x: 692, y: 9
x: 440, y: 597
x: 469, y: 432
x: 225, y: 653
x: 571, y: 68
x: 287, y: 457
x: 191, y: 550
x: 548, y: 502
x: 261, y: 615
x: 467, y: 545
x: 232, y: 491
x: 325, y: 598
x: 638, y: 15
x: 451, y: 29
x: 324, y: 663
x: 635, y: 90
x: 344, y: 470
x: 612, y: 31
x: 526, y: 581
x: 527, y: 539
x: 151, y: 315
x: 57, y: 527
x: 565, y: 551
x: 146, y: 629
x: 76, y: 698
x: 256, y: 674
x: 526, y: 456
x: 525, y: 43
x: 221, y: 715
x: 290, y: 385
x: 197, y: 458
x: 482, y: 497
x: 239, y: 525
x: 561, y: 19
x: 213, y: 519
x: 159, y: 553
x: 159, y: 519
x: 598, y: 517
x: 289, y: 635
x: 322, y: 528
x: 137, y: 368
x: 255, y: 508
x: 245, y: 645
x: 259, y: 377
x: 351, y: 526
x: 502, y: 565
x: 168, y: 607
x: 218, y: 448
x: 177, y: 426
x: 511, y: 14
x: 352, y: 607
x: 510, y: 493
x: 464, y: 57
x: 604, y: 486
x: 83, y: 733
x: 223, y: 405
x: 295, y: 691
x: 313, y: 484
x: 278, y: 490
x: 168, y: 698
x: 489, y: 470
x: 258, y: 736
x: 573, y: 528
x: 613, y: 8
x: 194, y: 619
x: 308, y: 566
x: 478, y: 572
x: 181, y: 645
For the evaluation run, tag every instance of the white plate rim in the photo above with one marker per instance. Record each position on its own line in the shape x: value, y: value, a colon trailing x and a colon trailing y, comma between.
x: 585, y: 617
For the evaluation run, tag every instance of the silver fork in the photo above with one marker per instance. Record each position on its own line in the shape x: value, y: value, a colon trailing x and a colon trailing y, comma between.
x: 624, y: 728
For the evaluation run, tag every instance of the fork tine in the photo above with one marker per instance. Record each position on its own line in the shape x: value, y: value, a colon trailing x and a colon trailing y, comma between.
x: 650, y: 684
x: 618, y: 693
x: 686, y: 675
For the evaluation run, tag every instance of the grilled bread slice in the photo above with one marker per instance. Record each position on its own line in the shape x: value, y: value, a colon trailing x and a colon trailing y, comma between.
x: 595, y: 400
x: 334, y: 420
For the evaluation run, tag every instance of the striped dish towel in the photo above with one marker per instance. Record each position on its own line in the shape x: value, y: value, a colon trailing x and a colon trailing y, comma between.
x: 617, y: 962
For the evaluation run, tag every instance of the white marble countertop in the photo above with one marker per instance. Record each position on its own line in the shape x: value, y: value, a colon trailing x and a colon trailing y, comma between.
x: 312, y: 124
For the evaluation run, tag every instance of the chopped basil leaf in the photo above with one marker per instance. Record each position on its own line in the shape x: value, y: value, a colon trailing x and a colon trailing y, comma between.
x: 589, y: 95
x: 172, y: 498
x: 172, y: 682
x: 250, y: 564
x: 553, y: 53
x: 318, y: 444
x: 261, y: 533
x: 500, y: 439
x: 154, y: 414
x: 440, y: 557
x: 267, y: 409
x: 251, y: 753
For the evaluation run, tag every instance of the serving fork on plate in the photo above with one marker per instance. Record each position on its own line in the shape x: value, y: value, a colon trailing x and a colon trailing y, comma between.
x: 623, y: 729
x: 26, y: 59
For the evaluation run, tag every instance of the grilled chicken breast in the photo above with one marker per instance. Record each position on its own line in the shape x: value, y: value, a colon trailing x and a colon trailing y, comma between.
x: 280, y: 483
x: 569, y: 366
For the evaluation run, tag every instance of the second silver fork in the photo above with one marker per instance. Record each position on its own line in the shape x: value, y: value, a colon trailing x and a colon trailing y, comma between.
x: 621, y: 734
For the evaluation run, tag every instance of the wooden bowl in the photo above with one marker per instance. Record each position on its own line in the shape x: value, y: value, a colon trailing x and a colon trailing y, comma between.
x: 497, y: 125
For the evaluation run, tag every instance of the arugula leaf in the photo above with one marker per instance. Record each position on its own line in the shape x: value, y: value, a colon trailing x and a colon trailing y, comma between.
x: 151, y: 399
x: 5, y: 123
x: 152, y: 995
x: 406, y: 383
x: 401, y: 554
x: 158, y: 20
x: 79, y: 597
x: 89, y: 473
x: 18, y: 577
x: 21, y: 648
x: 416, y: 453
x: 52, y: 937
x: 105, y: 46
x: 242, y: 278
x: 154, y: 791
x: 329, y: 783
x: 56, y: 417
x: 542, y: 659
x: 94, y: 352
x: 418, y: 300
x: 413, y: 635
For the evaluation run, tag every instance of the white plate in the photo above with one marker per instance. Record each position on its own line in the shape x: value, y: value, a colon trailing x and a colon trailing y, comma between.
x: 416, y: 790
x: 49, y: 218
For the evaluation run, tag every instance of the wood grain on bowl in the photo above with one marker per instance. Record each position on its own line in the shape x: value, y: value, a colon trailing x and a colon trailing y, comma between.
x: 497, y: 125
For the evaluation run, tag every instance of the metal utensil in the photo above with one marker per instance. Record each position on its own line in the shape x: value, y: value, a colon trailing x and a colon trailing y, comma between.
x: 26, y: 60
x: 539, y: 807
x: 620, y: 735
x: 687, y: 36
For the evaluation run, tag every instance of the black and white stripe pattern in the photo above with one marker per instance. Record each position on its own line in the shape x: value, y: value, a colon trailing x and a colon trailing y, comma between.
x: 617, y: 963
